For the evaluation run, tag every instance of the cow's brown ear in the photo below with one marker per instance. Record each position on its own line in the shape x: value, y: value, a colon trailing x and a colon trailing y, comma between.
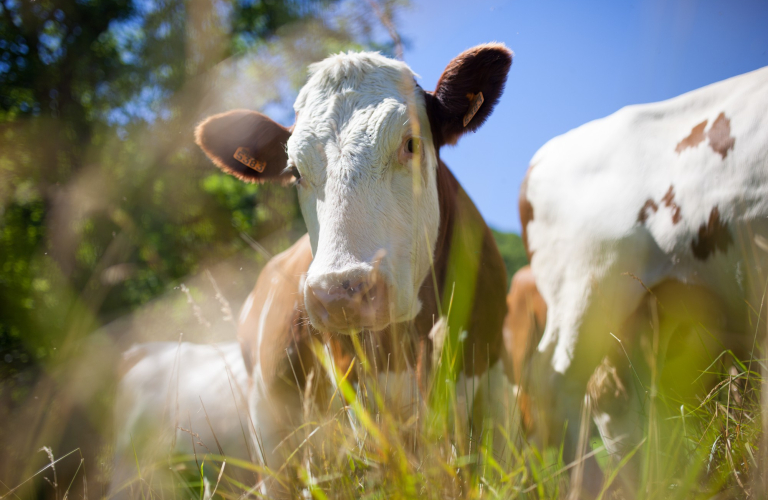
x: 246, y: 144
x: 467, y: 91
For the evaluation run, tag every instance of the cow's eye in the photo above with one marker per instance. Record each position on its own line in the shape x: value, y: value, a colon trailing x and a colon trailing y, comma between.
x: 411, y: 146
x: 292, y: 171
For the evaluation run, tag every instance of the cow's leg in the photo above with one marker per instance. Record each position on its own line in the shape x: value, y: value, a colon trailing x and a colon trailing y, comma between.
x: 585, y: 308
x: 753, y: 237
x: 669, y: 346
x: 617, y: 411
x: 614, y: 397
x: 586, y: 476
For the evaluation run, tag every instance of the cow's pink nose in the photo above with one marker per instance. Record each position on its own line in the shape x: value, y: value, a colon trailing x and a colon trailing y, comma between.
x: 342, y: 303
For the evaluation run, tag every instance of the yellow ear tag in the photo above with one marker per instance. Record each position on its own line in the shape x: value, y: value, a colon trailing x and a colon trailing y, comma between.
x: 244, y: 156
x: 474, y: 105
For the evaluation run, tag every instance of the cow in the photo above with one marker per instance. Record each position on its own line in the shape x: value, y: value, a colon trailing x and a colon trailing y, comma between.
x: 675, y: 190
x: 523, y: 328
x: 689, y: 322
x: 393, y: 240
x: 178, y: 398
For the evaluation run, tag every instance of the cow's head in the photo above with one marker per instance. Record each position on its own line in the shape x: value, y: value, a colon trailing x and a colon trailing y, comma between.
x: 364, y: 157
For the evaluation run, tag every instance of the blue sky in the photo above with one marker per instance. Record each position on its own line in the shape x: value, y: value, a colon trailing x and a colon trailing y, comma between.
x: 574, y: 61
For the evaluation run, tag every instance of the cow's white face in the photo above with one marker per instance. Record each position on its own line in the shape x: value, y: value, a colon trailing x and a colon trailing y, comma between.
x: 367, y: 189
x: 364, y: 155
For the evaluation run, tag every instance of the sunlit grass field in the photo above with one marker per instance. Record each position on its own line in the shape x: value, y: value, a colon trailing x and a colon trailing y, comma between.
x: 361, y: 450
x: 115, y: 229
x: 353, y: 442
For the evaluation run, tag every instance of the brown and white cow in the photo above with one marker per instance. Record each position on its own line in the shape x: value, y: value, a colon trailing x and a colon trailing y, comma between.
x: 675, y: 190
x: 689, y: 323
x: 393, y: 238
x: 523, y: 328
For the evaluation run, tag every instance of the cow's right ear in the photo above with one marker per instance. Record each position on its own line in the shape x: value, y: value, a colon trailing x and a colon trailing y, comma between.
x: 467, y: 91
x: 246, y: 144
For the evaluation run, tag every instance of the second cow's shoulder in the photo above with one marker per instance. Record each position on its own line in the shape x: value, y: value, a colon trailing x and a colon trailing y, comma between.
x: 666, y: 167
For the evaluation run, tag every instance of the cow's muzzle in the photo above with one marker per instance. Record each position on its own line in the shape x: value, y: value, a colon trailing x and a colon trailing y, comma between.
x: 347, y: 302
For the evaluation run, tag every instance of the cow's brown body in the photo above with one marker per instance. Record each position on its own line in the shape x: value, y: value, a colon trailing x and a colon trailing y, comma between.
x: 276, y: 335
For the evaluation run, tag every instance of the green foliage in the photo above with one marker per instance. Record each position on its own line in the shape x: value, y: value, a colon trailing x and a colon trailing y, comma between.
x: 256, y: 21
x: 55, y: 55
x: 105, y: 201
x: 512, y: 251
x: 104, y: 195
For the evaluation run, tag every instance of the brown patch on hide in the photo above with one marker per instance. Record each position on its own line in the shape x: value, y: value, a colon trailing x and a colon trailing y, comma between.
x: 714, y: 235
x: 676, y: 214
x: 525, y: 210
x: 720, y: 139
x: 694, y: 139
x: 719, y: 136
x: 643, y: 215
x: 669, y: 201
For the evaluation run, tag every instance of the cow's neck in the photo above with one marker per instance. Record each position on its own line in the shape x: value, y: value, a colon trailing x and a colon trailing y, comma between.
x: 462, y: 236
x: 471, y: 275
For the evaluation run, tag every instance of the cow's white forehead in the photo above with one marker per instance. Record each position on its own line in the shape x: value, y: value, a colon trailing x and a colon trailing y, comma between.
x: 356, y: 194
x: 367, y: 72
x: 356, y: 105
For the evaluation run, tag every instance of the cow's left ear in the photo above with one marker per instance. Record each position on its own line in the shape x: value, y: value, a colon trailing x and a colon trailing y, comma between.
x: 246, y: 144
x: 467, y: 91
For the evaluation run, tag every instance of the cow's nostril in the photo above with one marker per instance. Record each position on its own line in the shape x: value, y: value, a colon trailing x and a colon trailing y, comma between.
x: 346, y: 302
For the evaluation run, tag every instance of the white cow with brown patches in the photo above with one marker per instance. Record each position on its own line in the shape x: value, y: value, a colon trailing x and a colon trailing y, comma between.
x: 675, y: 190
x: 392, y: 236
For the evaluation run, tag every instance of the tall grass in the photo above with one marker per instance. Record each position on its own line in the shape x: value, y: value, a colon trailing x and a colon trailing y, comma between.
x: 356, y: 441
